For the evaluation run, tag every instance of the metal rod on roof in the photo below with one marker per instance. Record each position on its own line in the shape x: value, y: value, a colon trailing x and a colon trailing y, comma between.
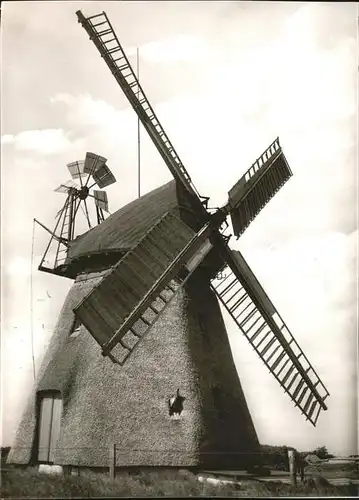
x: 138, y: 131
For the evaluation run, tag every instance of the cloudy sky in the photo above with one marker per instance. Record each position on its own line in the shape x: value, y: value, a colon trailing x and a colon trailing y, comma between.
x: 225, y: 79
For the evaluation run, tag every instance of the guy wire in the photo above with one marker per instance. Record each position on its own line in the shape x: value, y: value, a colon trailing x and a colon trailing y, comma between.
x: 31, y: 302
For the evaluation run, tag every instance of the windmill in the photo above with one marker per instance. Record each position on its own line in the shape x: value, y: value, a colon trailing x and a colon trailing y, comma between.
x: 240, y: 293
x: 148, y: 283
x: 89, y: 172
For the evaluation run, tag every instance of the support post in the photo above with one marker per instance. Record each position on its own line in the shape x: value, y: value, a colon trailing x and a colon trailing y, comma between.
x: 292, y: 467
x: 112, y: 460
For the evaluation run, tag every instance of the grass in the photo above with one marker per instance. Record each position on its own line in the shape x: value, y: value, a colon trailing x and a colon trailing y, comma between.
x: 328, y: 470
x: 29, y: 483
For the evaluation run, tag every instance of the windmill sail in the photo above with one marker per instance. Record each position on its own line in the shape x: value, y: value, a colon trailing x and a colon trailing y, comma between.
x: 76, y: 169
x: 255, y: 315
x: 132, y: 296
x: 93, y: 162
x: 101, y: 200
x: 257, y: 186
x: 103, y: 36
x: 103, y: 176
x: 66, y: 187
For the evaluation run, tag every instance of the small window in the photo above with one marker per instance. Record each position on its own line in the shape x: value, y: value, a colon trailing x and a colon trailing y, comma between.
x: 49, y: 425
x: 75, y: 329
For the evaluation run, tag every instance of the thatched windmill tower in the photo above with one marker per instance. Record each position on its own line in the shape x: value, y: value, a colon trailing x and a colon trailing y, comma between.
x: 145, y: 290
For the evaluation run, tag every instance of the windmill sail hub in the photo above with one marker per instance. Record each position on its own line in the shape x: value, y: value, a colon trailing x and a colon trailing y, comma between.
x: 84, y: 192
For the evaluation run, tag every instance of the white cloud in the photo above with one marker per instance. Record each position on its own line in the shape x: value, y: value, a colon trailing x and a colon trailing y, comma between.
x: 45, y: 142
x: 19, y: 267
x: 84, y: 111
x: 320, y: 25
x: 321, y: 266
x: 7, y: 139
x: 176, y: 49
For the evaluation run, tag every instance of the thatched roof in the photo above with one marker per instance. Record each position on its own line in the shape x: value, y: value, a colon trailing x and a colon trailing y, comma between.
x: 122, y: 230
x: 104, y: 245
x: 128, y: 405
